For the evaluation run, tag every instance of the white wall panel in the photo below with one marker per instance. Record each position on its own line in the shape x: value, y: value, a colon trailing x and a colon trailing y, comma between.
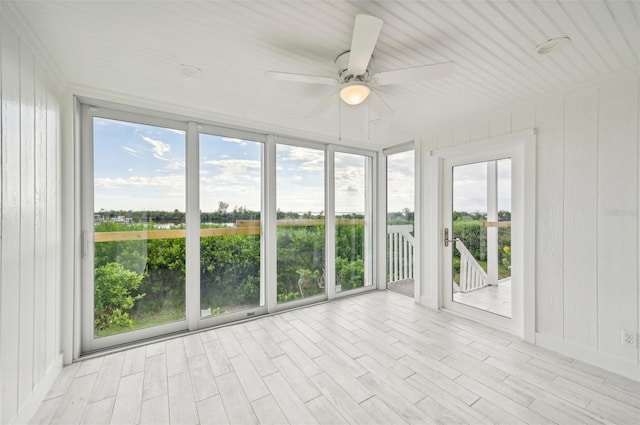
x: 586, y: 216
x: 27, y: 224
x: 580, y: 218
x: 523, y: 119
x: 617, y: 216
x: 52, y: 226
x: 460, y: 135
x: 549, y: 215
x: 479, y: 129
x: 445, y: 139
x: 10, y: 308
x: 500, y: 125
x: 29, y: 277
x: 40, y: 281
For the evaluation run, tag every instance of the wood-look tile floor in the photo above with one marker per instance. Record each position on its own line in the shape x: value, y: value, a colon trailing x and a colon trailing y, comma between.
x: 376, y: 358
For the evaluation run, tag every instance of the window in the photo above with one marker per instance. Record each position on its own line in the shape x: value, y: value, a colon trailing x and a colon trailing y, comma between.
x: 353, y: 221
x: 230, y: 225
x: 300, y: 192
x: 174, y: 225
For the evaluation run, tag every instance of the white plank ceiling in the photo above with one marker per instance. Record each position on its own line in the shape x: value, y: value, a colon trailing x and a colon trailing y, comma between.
x: 135, y: 49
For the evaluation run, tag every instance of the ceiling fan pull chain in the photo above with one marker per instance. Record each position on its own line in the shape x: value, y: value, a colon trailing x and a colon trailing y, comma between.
x: 339, y: 121
x: 369, y: 122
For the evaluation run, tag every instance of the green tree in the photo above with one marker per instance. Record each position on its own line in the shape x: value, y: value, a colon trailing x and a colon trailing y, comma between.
x: 113, y: 295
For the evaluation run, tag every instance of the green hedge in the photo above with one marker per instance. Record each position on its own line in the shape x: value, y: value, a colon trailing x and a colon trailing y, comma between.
x: 229, y: 267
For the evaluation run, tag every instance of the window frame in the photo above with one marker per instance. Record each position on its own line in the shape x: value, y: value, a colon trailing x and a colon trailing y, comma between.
x: 87, y: 109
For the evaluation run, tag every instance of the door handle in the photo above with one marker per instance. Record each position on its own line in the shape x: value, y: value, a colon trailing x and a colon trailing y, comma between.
x: 447, y: 241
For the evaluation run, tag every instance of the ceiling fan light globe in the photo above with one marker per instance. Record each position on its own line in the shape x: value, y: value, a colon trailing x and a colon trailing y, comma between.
x: 354, y: 94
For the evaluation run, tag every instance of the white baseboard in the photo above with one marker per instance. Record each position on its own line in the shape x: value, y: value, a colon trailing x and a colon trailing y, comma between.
x: 605, y: 361
x: 40, y: 391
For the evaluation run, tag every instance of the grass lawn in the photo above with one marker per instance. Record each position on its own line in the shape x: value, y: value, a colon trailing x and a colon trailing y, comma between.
x: 144, y: 320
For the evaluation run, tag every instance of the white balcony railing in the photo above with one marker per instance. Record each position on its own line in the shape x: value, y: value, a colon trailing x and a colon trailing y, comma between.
x: 472, y: 275
x: 400, y: 251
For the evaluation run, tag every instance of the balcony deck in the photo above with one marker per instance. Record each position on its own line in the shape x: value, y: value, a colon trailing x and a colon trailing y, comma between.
x: 404, y: 287
x: 494, y: 299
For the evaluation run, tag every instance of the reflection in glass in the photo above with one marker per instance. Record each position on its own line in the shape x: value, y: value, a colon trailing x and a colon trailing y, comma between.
x: 230, y: 197
x: 300, y: 222
x: 352, y: 205
x: 400, y: 222
x: 482, y: 230
x: 139, y: 226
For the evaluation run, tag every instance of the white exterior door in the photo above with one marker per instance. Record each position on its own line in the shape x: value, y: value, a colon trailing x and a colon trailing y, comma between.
x: 484, y: 254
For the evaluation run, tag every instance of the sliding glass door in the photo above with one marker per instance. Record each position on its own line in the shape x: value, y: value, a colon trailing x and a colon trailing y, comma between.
x: 175, y: 234
x: 300, y: 223
x: 352, y: 188
x: 135, y: 245
x: 230, y: 172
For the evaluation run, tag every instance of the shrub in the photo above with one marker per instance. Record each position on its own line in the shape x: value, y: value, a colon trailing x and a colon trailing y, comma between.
x: 113, y: 287
x: 349, y: 274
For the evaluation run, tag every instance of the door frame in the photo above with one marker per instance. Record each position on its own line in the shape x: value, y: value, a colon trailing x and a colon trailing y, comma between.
x: 383, y: 207
x: 521, y: 147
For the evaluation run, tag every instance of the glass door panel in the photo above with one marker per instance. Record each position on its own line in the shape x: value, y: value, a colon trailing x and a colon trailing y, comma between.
x: 353, y: 221
x: 400, y: 222
x: 300, y: 222
x: 139, y: 226
x: 230, y: 231
x: 481, y: 223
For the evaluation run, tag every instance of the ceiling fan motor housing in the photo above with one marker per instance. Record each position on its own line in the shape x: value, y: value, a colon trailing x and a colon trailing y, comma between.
x: 342, y: 64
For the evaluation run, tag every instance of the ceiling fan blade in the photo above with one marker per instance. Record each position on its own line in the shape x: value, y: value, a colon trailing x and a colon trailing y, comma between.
x: 426, y: 72
x: 380, y: 107
x: 323, y: 106
x: 300, y: 78
x: 365, y: 36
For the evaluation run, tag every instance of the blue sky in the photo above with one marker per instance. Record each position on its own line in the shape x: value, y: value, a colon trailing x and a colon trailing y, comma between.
x: 470, y: 187
x: 400, y: 181
x: 140, y: 167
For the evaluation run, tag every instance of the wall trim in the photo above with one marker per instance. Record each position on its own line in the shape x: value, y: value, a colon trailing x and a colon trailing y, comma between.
x: 121, y: 101
x: 596, y: 358
x: 39, y: 392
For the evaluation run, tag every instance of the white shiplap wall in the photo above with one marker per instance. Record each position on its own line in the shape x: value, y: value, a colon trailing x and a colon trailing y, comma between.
x: 29, y: 228
x: 587, y: 215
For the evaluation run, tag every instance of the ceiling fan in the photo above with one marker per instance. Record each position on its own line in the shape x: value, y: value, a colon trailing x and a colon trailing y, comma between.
x: 356, y: 80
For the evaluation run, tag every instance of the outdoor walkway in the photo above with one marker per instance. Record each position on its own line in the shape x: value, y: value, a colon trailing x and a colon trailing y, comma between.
x: 404, y: 287
x: 494, y: 299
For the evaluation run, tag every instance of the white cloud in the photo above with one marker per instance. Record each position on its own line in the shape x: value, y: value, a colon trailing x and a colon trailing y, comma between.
x: 235, y: 164
x: 174, y: 131
x: 160, y: 148
x: 234, y: 140
x: 174, y: 181
x: 131, y: 151
x: 313, y: 165
x: 310, y: 159
x: 295, y: 153
x: 140, y: 202
x: 235, y: 193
